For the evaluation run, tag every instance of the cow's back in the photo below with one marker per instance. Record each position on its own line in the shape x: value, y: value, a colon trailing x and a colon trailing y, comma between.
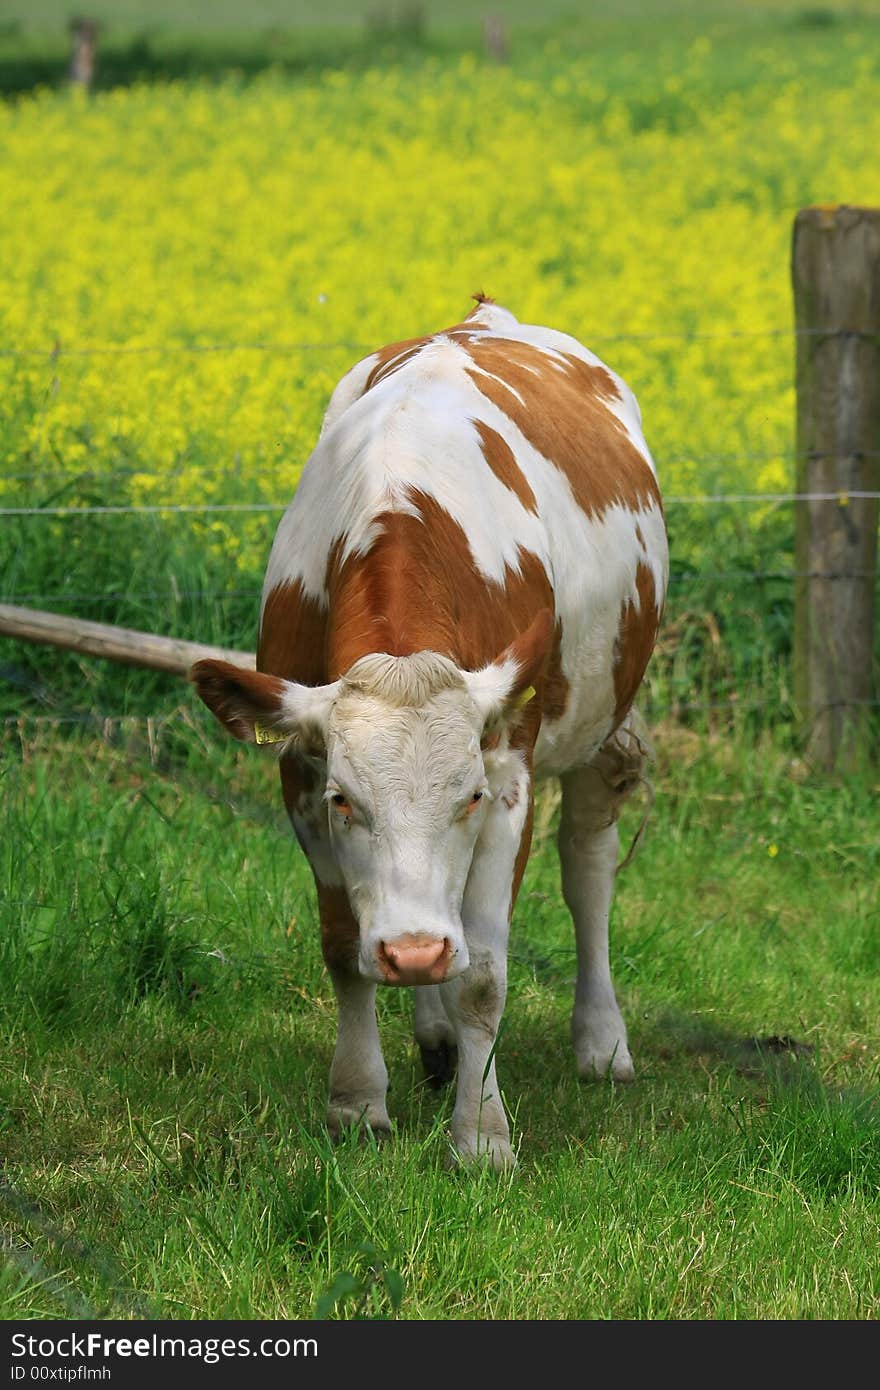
x: 462, y: 482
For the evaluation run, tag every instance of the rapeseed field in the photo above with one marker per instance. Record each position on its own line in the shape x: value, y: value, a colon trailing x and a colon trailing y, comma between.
x: 191, y: 266
x: 347, y: 210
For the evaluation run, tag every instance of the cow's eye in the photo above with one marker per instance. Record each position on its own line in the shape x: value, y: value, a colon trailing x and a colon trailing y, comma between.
x: 474, y: 802
x: 340, y: 805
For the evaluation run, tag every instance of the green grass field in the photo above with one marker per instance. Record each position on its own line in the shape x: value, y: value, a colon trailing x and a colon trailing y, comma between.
x: 167, y: 1030
x: 166, y: 1024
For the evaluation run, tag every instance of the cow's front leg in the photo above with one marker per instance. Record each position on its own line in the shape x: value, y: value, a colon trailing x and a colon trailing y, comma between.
x: 475, y: 1001
x: 358, y: 1076
x: 358, y: 1079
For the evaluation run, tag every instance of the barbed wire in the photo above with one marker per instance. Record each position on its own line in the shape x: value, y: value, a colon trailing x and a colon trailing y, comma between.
x: 170, y: 347
x: 843, y: 498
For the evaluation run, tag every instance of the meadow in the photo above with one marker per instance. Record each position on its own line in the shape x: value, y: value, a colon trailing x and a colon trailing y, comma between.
x: 193, y: 264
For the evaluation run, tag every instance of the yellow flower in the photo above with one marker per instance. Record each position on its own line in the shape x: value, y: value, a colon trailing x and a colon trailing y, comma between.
x: 298, y: 224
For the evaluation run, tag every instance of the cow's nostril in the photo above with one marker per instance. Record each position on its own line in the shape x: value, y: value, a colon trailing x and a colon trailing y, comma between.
x: 414, y: 960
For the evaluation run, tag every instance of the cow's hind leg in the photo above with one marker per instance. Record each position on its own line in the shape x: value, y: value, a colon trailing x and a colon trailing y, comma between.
x: 588, y: 847
x: 435, y: 1036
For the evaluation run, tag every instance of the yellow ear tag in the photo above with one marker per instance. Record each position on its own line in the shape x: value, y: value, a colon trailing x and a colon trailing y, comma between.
x: 523, y: 699
x: 263, y: 734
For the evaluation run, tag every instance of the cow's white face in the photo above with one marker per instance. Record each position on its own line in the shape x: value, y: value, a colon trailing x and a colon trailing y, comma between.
x: 406, y: 790
x: 406, y: 796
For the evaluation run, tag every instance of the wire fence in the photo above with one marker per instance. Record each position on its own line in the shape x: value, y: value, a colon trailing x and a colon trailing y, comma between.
x: 843, y: 498
x: 679, y: 580
x: 44, y: 475
x: 694, y: 579
x: 60, y: 349
x: 104, y: 724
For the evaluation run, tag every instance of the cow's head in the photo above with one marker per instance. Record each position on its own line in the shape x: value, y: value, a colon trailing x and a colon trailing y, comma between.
x: 401, y: 742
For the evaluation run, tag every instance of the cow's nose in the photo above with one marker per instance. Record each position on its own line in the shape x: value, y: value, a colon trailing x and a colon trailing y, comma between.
x: 414, y: 960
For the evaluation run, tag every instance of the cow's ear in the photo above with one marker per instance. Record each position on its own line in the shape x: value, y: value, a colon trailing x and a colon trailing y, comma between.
x: 507, y: 683
x: 263, y: 709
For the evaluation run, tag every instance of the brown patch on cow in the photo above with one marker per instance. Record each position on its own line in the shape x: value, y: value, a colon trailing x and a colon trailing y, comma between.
x: 593, y: 379
x: 418, y: 588
x: 640, y: 538
x: 499, y: 456
x: 299, y: 779
x: 293, y: 636
x: 236, y: 696
x: 310, y: 779
x: 481, y: 299
x: 299, y: 782
x: 386, y: 365
x: 530, y: 651
x: 393, y: 356
x: 635, y: 641
x: 292, y: 644
x: 559, y: 405
x: 556, y: 685
x: 340, y: 934
x: 467, y: 333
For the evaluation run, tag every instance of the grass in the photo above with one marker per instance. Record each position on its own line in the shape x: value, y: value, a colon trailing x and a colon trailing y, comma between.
x: 167, y: 1029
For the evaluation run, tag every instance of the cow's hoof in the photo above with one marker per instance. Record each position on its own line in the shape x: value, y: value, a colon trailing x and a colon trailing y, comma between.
x: 341, y: 1119
x: 439, y: 1063
x: 594, y: 1065
x: 492, y: 1152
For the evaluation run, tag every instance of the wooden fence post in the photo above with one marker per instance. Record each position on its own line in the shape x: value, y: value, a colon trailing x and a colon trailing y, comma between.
x: 495, y: 38
x: 836, y: 281
x: 84, y: 37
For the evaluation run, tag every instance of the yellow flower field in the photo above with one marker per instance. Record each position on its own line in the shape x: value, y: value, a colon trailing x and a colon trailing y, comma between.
x: 288, y: 225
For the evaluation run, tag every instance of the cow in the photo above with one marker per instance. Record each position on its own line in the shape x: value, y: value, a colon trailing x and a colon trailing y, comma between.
x: 461, y: 599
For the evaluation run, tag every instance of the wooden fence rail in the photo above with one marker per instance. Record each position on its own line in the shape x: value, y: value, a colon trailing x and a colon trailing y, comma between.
x: 123, y: 644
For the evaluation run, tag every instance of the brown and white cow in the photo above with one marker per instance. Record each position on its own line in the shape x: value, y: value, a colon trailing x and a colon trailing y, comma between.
x: 461, y: 598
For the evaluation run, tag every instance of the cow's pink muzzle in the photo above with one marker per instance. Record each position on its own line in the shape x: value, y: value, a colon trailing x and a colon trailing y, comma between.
x: 414, y: 960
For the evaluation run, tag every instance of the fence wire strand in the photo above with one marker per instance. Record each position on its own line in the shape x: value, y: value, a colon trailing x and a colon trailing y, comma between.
x: 176, y: 596
x: 98, y: 722
x: 208, y: 470
x: 137, y: 349
x: 231, y: 508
